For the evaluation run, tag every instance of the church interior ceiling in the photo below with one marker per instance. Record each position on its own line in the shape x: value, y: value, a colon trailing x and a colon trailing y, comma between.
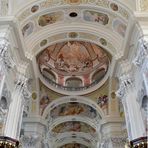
x: 73, y: 62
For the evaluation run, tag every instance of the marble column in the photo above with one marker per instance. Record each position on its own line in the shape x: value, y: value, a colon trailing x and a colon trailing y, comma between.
x: 6, y: 64
x: 128, y: 94
x: 141, y: 63
x: 14, y: 118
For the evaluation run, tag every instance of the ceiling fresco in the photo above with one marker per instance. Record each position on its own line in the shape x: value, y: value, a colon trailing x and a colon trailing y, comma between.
x: 100, y: 97
x: 50, y: 18
x: 98, y: 17
x: 66, y: 15
x: 119, y: 27
x: 75, y: 61
x: 46, y: 4
x: 46, y: 97
x: 74, y: 109
x: 73, y: 126
x: 68, y: 36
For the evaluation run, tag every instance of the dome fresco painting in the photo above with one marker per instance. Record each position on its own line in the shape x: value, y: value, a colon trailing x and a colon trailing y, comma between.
x: 73, y: 60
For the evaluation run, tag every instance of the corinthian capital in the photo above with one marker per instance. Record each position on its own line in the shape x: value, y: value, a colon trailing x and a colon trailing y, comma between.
x: 124, y: 83
x: 23, y: 84
x: 5, y: 53
x: 142, y: 53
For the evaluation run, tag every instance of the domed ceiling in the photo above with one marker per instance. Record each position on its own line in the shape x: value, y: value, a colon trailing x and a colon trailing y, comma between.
x: 79, y: 63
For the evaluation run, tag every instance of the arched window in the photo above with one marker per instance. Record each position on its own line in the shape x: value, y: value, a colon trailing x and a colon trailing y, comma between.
x: 98, y: 75
x: 49, y: 74
x: 74, y: 82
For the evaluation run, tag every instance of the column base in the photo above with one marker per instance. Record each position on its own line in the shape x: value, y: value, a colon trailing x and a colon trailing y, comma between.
x: 141, y: 142
x: 7, y: 142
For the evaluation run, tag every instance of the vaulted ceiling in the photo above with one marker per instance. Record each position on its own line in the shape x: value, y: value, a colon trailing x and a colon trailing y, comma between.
x: 74, y: 47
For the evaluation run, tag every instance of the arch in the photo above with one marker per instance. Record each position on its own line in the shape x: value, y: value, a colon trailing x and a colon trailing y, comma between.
x: 62, y: 120
x: 81, y: 137
x: 63, y: 141
x: 73, y: 108
x: 73, y: 126
x: 67, y: 99
x: 109, y: 9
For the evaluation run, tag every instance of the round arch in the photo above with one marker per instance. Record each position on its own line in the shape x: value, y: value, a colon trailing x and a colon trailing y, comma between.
x: 78, y: 99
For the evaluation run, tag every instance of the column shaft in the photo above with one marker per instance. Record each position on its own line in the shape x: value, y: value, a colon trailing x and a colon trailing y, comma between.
x: 13, y: 118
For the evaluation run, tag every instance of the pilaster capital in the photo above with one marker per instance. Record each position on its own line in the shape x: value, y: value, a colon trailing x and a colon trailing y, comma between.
x: 125, y: 82
x: 22, y: 83
x: 5, y: 54
x: 142, y: 52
